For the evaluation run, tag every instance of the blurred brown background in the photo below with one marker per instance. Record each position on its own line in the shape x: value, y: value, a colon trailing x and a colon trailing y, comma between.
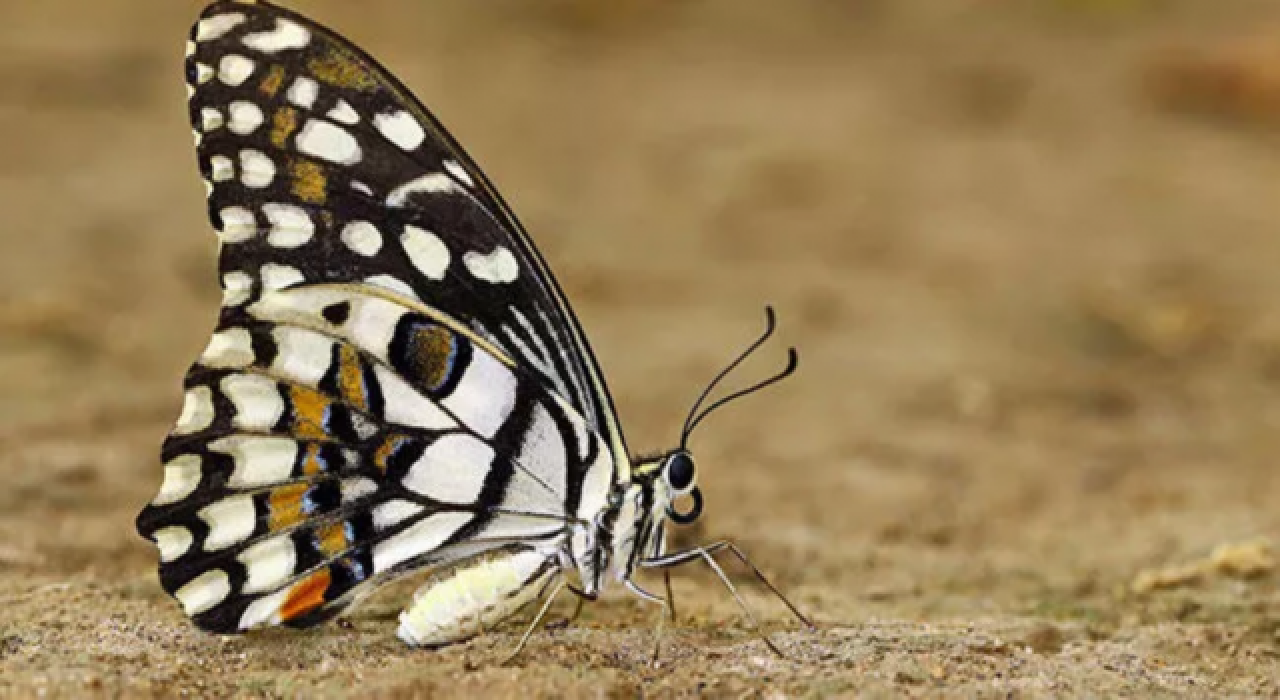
x: 1030, y: 253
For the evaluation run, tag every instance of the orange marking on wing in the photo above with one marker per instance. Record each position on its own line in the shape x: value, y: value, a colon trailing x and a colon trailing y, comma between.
x: 283, y: 124
x: 311, y: 463
x: 310, y: 408
x: 341, y: 69
x: 271, y: 84
x: 306, y: 595
x: 286, y: 506
x: 309, y: 182
x: 382, y: 455
x: 351, y: 380
x: 332, y: 539
x: 432, y: 352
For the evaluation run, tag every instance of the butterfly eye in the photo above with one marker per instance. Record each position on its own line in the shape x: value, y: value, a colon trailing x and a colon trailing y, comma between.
x: 680, y: 472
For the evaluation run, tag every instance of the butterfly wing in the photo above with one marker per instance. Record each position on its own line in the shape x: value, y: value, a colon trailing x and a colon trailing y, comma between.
x: 301, y: 116
x: 371, y: 401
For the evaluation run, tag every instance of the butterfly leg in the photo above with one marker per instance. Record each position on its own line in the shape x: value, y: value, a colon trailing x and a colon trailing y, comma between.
x: 659, y: 550
x: 671, y: 597
x: 537, y: 620
x: 662, y: 619
x: 577, y: 608
x: 705, y: 553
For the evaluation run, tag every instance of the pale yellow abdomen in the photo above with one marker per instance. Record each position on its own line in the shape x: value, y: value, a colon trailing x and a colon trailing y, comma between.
x: 474, y: 598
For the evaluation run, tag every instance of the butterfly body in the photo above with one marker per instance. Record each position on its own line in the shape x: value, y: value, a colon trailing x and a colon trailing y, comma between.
x: 396, y: 382
x: 476, y: 598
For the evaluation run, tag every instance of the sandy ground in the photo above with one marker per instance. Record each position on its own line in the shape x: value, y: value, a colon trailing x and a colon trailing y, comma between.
x: 1036, y: 308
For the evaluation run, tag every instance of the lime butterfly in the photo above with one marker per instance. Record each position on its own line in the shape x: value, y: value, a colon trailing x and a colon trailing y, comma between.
x: 396, y: 382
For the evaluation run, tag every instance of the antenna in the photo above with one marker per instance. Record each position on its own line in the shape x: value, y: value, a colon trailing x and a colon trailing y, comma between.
x: 695, y: 417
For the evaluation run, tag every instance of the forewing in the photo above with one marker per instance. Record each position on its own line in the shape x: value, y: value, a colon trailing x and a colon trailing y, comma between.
x: 323, y: 167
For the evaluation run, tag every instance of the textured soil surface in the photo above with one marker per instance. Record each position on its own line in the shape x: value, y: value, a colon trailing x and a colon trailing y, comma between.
x: 1028, y: 252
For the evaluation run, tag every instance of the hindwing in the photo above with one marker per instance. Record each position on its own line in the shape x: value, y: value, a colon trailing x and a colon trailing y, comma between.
x: 341, y: 436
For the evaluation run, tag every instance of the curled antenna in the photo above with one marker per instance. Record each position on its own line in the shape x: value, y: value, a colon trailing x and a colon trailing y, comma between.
x: 695, y: 417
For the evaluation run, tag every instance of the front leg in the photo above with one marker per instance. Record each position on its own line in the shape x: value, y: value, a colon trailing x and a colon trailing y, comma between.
x: 705, y: 553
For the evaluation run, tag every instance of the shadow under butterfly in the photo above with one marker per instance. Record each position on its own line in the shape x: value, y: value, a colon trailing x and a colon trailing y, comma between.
x: 396, y: 382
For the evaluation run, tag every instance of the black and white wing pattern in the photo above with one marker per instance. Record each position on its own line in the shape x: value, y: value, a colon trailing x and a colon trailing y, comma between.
x: 395, y: 379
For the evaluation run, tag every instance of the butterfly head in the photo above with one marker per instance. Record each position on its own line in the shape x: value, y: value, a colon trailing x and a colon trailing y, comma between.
x: 662, y: 488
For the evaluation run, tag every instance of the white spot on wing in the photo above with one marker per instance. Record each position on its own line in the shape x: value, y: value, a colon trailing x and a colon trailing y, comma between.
x: 362, y: 238
x: 517, y: 527
x: 286, y: 35
x: 276, y: 276
x: 256, y: 169
x: 229, y: 348
x: 245, y: 117
x: 498, y: 267
x: 197, y: 411
x: 328, y: 141
x: 392, y: 512
x: 394, y: 284
x: 204, y: 592
x: 259, y: 461
x: 234, y: 70
x: 215, y: 27
x: 595, y: 486
x: 181, y: 477
x: 373, y: 323
x: 426, y: 251
x: 238, y: 225
x: 221, y: 168
x: 355, y: 489
x: 542, y: 451
x: 303, y: 355
x: 401, y: 129
x: 452, y: 470
x: 303, y: 92
x: 268, y: 563
x: 344, y: 113
x: 230, y: 520
x: 459, y: 172
x: 203, y: 73
x: 256, y: 399
x: 435, y: 183
x: 418, y: 539
x: 484, y: 396
x: 264, y: 611
x: 405, y: 406
x: 291, y: 226
x: 173, y: 542
x: 210, y: 119
x: 237, y: 285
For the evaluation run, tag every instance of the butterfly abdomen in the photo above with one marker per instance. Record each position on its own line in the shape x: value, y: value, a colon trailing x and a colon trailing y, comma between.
x: 475, y: 598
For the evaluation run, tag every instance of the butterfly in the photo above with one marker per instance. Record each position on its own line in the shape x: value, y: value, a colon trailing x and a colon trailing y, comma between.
x: 396, y: 382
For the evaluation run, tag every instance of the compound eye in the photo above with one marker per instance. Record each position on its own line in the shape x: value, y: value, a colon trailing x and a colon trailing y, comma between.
x: 680, y: 472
